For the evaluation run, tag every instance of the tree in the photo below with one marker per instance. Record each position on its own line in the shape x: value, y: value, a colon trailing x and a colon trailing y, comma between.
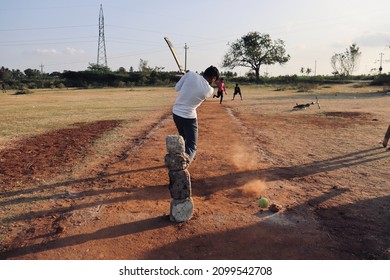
x: 17, y: 74
x: 344, y: 64
x: 121, y: 70
x: 98, y: 68
x: 32, y: 73
x: 144, y: 67
x: 5, y: 74
x: 254, y: 50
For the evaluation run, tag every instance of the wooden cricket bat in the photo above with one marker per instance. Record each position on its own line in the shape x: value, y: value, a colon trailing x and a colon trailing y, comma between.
x: 387, y: 136
x: 181, y: 69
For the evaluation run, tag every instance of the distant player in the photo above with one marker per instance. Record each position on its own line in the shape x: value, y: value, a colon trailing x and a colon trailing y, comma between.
x: 237, y: 90
x: 221, y: 90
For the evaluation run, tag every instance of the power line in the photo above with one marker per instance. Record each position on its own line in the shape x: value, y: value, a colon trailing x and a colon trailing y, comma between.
x: 46, y: 43
x: 45, y: 28
x: 45, y: 40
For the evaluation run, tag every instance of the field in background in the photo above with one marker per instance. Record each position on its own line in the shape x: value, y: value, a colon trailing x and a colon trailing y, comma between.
x: 99, y: 190
x: 264, y: 107
x: 45, y: 110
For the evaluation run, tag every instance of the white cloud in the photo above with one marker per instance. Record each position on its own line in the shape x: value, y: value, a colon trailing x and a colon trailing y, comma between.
x: 46, y: 51
x: 371, y: 39
x: 68, y: 51
x: 73, y: 51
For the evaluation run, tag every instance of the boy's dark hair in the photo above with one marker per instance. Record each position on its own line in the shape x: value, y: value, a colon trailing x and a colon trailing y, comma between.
x: 211, y: 72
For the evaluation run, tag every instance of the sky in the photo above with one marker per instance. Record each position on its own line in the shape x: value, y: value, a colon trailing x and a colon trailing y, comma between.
x: 53, y: 35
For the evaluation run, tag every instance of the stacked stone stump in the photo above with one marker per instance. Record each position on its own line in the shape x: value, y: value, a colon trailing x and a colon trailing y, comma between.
x: 177, y: 162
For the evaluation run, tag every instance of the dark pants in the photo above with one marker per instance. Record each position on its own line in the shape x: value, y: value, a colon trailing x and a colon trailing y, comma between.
x: 234, y: 94
x: 220, y: 94
x: 188, y: 129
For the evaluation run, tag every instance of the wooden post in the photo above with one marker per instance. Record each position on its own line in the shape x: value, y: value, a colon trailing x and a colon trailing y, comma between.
x: 387, y: 136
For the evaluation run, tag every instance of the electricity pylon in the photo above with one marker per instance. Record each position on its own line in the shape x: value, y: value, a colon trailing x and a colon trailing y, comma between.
x: 101, y: 55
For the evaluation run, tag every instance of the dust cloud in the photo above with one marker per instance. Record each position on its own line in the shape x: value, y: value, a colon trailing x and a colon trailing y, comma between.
x: 245, y: 159
x: 242, y: 158
x: 254, y: 188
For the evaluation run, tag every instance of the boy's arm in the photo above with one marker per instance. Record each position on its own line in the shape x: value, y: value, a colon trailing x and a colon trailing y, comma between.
x: 180, y: 83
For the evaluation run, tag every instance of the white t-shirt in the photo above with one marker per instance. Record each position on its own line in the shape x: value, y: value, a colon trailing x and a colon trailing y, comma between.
x: 193, y: 89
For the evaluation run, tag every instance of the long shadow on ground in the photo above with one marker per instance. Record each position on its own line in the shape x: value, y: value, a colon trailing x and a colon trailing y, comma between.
x: 355, y: 234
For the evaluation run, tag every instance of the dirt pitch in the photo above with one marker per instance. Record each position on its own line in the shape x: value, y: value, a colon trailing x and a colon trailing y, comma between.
x: 326, y: 168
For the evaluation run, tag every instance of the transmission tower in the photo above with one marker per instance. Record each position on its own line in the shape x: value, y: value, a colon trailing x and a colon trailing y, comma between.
x: 101, y: 55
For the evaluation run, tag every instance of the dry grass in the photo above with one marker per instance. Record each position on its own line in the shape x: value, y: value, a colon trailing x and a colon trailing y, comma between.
x: 45, y: 110
x: 42, y: 111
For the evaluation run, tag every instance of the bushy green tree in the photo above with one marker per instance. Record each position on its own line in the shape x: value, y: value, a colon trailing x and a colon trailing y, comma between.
x: 32, y: 73
x: 121, y: 70
x: 5, y: 74
x: 254, y: 50
x: 98, y: 68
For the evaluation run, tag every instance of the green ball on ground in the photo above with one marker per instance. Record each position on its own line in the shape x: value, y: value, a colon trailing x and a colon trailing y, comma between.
x: 263, y: 202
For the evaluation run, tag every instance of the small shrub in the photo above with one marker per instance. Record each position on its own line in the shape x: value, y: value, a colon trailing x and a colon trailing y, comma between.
x: 23, y: 91
x: 281, y: 88
x: 305, y: 87
x: 360, y: 85
x: 120, y: 84
x: 381, y: 80
x: 32, y: 86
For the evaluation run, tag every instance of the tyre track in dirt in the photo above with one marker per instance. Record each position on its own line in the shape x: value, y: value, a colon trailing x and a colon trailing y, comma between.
x: 123, y: 212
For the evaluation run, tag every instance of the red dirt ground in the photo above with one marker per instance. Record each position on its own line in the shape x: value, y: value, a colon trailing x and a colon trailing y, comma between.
x: 119, y: 208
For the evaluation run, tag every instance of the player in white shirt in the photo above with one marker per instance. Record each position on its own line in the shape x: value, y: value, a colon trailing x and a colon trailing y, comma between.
x: 193, y: 89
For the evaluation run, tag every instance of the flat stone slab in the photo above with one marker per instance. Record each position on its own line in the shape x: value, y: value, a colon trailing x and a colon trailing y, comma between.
x: 181, y: 210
